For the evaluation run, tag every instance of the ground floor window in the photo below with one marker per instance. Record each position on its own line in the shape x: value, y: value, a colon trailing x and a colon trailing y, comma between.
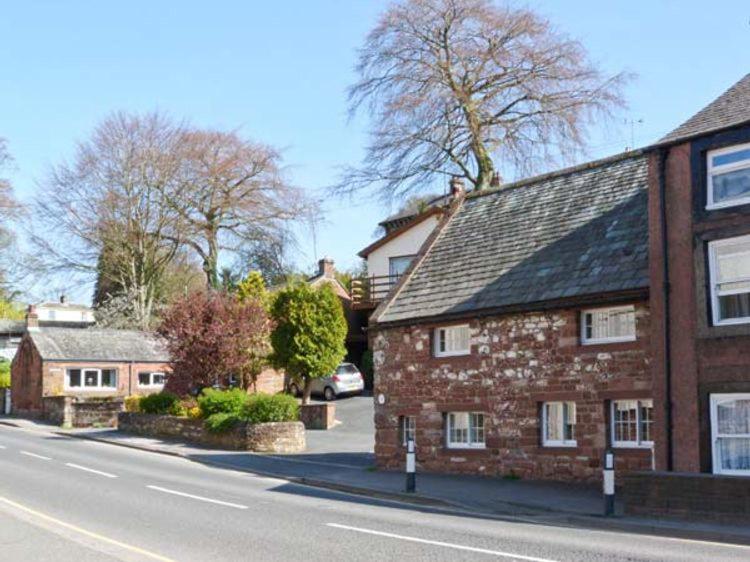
x: 407, y: 426
x: 632, y: 423
x: 730, y: 432
x: 559, y: 424
x: 91, y: 379
x: 465, y: 430
x: 153, y: 380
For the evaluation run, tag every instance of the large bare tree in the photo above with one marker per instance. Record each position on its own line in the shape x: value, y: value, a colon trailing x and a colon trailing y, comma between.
x: 231, y: 193
x: 110, y: 204
x: 464, y: 87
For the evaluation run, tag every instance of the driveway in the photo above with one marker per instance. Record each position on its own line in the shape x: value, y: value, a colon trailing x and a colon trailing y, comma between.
x: 350, y: 442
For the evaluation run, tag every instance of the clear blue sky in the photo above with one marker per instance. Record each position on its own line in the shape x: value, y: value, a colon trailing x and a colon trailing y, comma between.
x: 278, y: 71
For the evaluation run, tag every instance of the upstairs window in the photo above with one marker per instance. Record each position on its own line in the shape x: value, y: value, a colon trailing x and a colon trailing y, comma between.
x: 450, y: 341
x: 729, y: 177
x: 608, y: 325
x: 398, y: 265
x: 559, y: 424
x: 729, y: 265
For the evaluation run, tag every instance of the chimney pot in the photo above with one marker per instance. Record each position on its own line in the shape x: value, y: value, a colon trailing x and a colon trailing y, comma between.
x: 457, y: 187
x: 495, y: 181
x: 32, y: 319
x: 63, y: 300
x: 326, y: 268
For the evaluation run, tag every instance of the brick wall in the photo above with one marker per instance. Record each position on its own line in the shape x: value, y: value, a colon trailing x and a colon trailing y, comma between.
x: 698, y: 497
x: 73, y: 412
x: 517, y: 362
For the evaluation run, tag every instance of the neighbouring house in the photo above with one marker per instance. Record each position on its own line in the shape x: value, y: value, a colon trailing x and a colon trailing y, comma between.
x: 518, y: 342
x: 94, y: 365
x: 699, y: 191
x: 356, y: 339
x: 60, y: 314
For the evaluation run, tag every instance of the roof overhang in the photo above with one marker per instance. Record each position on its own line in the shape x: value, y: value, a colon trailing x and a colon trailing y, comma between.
x: 399, y: 231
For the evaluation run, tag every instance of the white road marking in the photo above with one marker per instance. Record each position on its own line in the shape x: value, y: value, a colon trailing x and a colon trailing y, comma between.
x: 200, y: 498
x: 47, y: 519
x: 36, y: 456
x: 3, y: 447
x: 443, y: 544
x: 99, y: 472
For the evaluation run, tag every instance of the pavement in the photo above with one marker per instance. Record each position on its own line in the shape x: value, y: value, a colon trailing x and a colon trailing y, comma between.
x: 75, y: 499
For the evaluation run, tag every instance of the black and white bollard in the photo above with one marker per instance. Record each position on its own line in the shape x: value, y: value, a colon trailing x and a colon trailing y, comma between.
x: 609, y: 483
x: 411, y: 467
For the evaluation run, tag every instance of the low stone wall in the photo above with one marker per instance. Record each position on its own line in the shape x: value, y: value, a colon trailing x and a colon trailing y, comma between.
x: 318, y: 416
x: 279, y: 437
x: 693, y: 496
x: 75, y: 412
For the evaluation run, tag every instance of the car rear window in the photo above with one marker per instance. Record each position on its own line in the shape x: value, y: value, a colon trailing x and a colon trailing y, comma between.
x: 347, y: 369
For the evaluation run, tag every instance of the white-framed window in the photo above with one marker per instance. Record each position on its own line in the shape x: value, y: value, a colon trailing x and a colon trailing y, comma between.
x: 632, y: 423
x: 730, y: 433
x: 450, y: 341
x: 465, y: 430
x: 729, y: 177
x: 608, y: 325
x: 147, y: 379
x: 559, y: 424
x: 729, y: 271
x: 90, y: 379
x: 397, y: 266
x: 407, y: 426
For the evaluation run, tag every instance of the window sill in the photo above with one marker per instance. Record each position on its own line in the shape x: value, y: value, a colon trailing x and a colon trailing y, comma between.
x: 449, y: 355
x: 631, y: 447
x: 559, y: 445
x: 587, y: 343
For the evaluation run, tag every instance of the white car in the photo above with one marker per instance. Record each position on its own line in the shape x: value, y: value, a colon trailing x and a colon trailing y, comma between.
x: 346, y: 380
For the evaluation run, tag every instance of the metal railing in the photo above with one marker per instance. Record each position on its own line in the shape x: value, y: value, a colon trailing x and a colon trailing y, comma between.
x: 369, y: 291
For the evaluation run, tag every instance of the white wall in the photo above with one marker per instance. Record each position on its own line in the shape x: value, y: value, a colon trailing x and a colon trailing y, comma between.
x: 62, y: 314
x: 407, y: 243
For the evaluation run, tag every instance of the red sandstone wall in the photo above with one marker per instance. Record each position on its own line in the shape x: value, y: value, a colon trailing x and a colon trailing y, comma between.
x: 517, y: 362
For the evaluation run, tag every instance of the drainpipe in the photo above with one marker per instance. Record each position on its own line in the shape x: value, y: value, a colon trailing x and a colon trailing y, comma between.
x: 666, y: 288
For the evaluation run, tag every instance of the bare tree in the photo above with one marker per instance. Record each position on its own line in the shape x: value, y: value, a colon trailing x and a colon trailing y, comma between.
x: 462, y: 87
x: 109, y: 211
x: 231, y: 192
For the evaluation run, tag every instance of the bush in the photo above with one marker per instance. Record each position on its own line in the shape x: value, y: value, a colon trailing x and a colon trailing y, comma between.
x: 194, y: 413
x: 264, y: 408
x: 221, y: 401
x: 221, y: 422
x: 4, y: 373
x: 161, y: 403
x: 133, y: 403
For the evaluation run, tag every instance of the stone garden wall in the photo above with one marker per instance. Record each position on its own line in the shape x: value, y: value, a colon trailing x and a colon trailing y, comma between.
x: 278, y: 437
x: 72, y: 412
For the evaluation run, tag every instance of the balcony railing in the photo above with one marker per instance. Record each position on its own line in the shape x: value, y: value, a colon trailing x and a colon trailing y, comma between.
x: 369, y: 291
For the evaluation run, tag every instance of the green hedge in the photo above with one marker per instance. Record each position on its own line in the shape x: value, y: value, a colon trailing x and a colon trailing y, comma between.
x: 264, y: 408
x: 4, y: 373
x: 221, y: 422
x: 162, y: 403
x: 213, y: 401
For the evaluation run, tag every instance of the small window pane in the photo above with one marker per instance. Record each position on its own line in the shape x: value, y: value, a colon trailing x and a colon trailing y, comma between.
x: 559, y: 422
x: 144, y: 379
x: 609, y: 324
x: 731, y: 157
x: 157, y: 378
x: 732, y: 185
x: 647, y: 420
x: 734, y: 417
x: 408, y: 427
x: 626, y: 421
x: 477, y: 428
x: 734, y: 453
x: 74, y: 378
x: 108, y: 378
x: 452, y: 340
x: 459, y: 428
x: 91, y: 378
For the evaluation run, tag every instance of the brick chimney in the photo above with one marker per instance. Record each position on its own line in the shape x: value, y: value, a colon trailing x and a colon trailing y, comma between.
x: 325, y: 268
x: 63, y: 299
x: 457, y: 187
x: 495, y: 181
x: 32, y: 319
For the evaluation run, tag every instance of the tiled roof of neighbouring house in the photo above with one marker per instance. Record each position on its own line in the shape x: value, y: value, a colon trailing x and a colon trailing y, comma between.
x: 730, y: 109
x: 581, y: 231
x: 63, y: 344
x: 12, y: 326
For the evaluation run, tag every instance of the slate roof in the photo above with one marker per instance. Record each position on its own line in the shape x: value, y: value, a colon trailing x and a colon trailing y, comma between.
x: 730, y: 109
x: 12, y: 326
x: 581, y: 231
x: 75, y: 344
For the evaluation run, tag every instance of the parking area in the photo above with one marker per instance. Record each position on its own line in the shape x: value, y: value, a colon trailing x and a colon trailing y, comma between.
x: 352, y: 441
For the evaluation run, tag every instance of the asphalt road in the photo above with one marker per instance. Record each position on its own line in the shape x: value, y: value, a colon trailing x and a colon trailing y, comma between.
x: 67, y: 499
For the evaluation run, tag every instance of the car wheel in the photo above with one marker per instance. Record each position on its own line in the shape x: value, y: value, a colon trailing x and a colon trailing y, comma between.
x: 329, y: 394
x: 294, y: 390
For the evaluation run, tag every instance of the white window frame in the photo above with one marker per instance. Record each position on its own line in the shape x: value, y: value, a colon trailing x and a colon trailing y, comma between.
x: 713, y: 270
x: 151, y: 383
x: 404, y: 423
x: 639, y: 443
x: 615, y: 339
x: 558, y: 442
x: 454, y: 353
x: 715, y: 399
x: 723, y: 169
x: 470, y: 444
x: 83, y: 387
